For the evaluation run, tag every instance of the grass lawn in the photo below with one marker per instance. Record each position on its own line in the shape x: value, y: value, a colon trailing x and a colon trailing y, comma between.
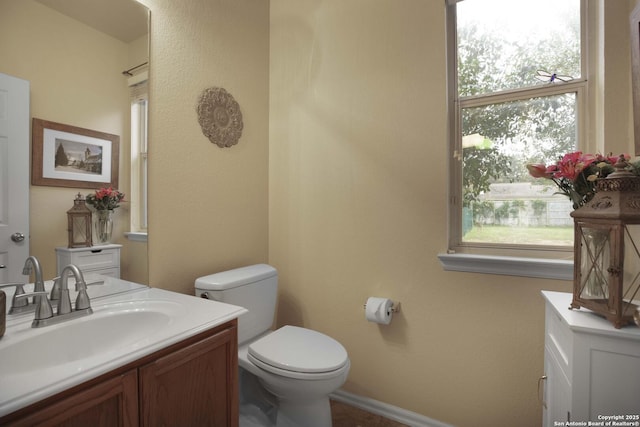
x: 562, y: 236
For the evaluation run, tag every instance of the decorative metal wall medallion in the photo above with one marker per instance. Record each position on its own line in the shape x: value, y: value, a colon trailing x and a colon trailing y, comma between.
x: 220, y: 117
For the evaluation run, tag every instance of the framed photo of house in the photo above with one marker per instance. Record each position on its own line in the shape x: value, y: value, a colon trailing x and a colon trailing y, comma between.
x: 635, y: 74
x: 69, y: 156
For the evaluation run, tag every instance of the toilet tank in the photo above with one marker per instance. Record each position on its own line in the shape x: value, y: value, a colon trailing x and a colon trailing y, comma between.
x: 254, y: 287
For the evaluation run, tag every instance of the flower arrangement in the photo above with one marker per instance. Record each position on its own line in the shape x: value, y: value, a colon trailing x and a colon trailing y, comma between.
x: 105, y: 199
x: 575, y: 174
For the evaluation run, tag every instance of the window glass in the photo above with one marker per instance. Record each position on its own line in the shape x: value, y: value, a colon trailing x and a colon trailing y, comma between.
x: 507, y: 44
x: 506, y: 205
x: 139, y: 142
x: 518, y: 100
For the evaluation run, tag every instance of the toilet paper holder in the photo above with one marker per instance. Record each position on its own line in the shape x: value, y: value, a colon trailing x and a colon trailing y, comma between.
x: 395, y: 307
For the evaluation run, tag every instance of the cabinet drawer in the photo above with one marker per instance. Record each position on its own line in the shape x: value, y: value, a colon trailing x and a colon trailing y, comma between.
x: 90, y: 258
x: 110, y: 272
x: 558, y: 339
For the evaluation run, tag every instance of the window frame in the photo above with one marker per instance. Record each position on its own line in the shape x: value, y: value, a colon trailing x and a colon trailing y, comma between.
x: 482, y: 256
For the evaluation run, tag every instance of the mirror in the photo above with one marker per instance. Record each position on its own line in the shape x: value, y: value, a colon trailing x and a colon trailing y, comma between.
x: 73, y: 53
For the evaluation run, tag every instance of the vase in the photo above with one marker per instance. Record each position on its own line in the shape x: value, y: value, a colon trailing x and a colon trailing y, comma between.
x: 103, y: 227
x: 594, y: 263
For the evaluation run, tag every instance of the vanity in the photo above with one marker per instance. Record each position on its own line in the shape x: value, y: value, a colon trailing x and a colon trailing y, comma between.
x: 144, y: 357
x: 592, y: 370
x: 103, y: 259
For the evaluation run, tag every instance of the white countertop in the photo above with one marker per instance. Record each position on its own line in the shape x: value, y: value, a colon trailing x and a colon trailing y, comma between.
x: 187, y: 316
x: 584, y: 320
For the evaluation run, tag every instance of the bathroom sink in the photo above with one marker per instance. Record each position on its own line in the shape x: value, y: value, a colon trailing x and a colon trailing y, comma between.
x: 124, y: 327
x: 110, y: 328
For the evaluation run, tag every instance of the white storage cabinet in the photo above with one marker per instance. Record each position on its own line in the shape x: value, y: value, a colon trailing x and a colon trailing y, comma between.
x: 592, y: 370
x: 104, y: 259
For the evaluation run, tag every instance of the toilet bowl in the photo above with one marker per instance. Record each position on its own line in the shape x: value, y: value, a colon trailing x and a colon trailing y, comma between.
x: 299, y: 367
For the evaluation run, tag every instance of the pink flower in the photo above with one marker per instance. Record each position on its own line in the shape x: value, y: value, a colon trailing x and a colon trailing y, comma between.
x: 576, y: 173
x: 572, y: 164
x: 105, y: 198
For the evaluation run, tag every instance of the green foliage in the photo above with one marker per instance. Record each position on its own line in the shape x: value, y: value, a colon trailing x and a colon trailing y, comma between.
x: 539, y: 207
x: 481, y: 168
x: 482, y: 211
x: 502, y: 212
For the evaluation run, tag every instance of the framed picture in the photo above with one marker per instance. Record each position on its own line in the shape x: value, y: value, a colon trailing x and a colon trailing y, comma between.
x: 69, y: 156
x: 635, y: 74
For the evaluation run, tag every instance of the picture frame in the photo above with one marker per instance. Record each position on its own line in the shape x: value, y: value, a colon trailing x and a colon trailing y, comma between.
x: 635, y: 74
x: 70, y: 156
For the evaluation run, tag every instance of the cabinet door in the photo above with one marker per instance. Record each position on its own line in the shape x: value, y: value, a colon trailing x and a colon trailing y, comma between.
x: 194, y: 386
x: 557, y: 392
x: 113, y: 402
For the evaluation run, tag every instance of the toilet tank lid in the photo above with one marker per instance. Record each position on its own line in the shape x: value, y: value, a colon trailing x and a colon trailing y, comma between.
x: 236, y: 277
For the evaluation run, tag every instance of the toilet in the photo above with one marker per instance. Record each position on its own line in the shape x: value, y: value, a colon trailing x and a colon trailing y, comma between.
x: 297, y: 368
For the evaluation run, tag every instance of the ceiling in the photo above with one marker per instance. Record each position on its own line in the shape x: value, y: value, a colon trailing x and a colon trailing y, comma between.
x: 125, y: 20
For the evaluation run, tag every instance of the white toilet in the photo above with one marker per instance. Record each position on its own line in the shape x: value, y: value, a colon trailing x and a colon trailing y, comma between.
x: 298, y: 366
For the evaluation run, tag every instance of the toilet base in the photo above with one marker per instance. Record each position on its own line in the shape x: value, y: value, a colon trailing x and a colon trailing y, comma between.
x: 294, y: 413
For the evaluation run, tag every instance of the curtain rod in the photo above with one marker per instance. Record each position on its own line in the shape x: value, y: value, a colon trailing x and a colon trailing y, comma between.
x: 128, y: 72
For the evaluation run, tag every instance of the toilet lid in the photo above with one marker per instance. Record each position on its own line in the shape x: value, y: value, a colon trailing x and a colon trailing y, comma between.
x: 299, y: 350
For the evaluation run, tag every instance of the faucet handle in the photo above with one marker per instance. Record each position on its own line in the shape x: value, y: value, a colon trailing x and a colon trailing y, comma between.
x: 15, y: 303
x: 55, y: 290
x: 43, y: 307
x: 82, y: 300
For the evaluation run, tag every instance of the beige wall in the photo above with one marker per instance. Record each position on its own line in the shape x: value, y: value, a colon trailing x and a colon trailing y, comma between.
x: 338, y: 181
x: 75, y: 76
x: 358, y: 208
x: 207, y: 205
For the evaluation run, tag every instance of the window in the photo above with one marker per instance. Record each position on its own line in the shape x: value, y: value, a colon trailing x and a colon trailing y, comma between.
x: 517, y: 95
x: 139, y: 120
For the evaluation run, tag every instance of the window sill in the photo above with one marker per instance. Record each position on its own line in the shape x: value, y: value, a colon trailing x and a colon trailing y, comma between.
x: 510, y: 266
x: 136, y: 236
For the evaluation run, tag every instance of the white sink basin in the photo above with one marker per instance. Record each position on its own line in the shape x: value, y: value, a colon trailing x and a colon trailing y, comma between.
x: 110, y: 328
x: 124, y: 327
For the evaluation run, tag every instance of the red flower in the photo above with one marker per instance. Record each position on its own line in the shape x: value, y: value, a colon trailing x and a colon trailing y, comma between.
x: 105, y: 198
x: 575, y: 173
x: 572, y: 164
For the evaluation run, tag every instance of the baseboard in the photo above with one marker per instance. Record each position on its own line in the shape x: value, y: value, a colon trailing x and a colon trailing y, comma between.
x: 384, y: 409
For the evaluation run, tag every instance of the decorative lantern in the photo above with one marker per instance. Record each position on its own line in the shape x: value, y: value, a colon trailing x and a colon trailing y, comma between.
x: 79, y: 224
x: 606, y: 275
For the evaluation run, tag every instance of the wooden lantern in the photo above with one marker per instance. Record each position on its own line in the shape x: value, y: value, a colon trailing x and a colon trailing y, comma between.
x: 606, y: 276
x: 79, y: 224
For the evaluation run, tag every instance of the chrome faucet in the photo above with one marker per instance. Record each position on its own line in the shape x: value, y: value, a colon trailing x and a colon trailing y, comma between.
x: 44, y: 313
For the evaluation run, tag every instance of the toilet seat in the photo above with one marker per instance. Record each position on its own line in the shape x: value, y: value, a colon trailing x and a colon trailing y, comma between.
x: 297, y: 352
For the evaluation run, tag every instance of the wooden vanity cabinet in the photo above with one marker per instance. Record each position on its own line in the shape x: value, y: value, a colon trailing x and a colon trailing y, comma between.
x: 193, y: 386
x: 112, y: 402
x: 194, y: 382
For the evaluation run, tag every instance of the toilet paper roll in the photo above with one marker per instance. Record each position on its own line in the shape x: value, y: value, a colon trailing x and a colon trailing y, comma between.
x: 379, y: 310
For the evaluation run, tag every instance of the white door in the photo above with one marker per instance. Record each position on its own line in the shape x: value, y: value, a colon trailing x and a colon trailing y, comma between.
x: 14, y: 177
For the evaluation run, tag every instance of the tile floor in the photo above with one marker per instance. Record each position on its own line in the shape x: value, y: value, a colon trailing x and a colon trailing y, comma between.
x: 347, y: 416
